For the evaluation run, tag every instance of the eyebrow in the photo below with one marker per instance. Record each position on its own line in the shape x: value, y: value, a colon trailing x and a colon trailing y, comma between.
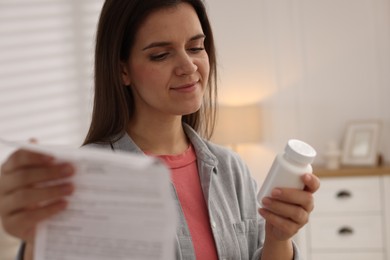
x: 163, y: 44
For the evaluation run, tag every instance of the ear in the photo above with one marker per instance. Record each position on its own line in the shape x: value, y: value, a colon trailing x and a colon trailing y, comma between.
x: 125, y: 74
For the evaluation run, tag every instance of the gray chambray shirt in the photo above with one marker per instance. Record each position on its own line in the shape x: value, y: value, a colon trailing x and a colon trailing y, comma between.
x: 230, y: 194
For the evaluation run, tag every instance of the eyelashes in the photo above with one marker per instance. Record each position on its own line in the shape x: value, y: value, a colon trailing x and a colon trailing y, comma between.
x: 196, y: 50
x: 158, y: 57
x: 162, y: 56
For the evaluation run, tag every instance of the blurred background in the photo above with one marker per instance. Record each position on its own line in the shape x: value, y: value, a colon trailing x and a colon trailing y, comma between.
x: 46, y: 75
x: 311, y: 67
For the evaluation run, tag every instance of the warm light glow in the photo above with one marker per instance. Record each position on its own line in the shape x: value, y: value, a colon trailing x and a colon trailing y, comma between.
x: 238, y: 125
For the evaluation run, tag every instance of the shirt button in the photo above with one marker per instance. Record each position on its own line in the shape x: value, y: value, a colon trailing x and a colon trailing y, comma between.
x: 213, y: 224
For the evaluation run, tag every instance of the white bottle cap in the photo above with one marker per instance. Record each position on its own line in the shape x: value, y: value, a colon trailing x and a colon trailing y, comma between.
x: 300, y: 151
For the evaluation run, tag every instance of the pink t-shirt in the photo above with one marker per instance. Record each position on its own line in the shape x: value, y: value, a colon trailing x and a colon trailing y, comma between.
x: 185, y: 177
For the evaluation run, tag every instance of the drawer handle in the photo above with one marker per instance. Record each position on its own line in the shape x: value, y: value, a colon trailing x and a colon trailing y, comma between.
x: 345, y: 231
x: 343, y: 194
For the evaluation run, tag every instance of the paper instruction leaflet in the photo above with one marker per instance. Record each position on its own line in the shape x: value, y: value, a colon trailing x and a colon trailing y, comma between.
x: 122, y: 208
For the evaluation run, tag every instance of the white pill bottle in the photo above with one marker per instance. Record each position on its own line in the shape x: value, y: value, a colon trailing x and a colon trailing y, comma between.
x: 287, y: 168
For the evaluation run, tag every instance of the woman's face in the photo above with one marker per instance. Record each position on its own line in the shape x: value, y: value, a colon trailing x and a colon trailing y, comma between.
x: 168, y: 68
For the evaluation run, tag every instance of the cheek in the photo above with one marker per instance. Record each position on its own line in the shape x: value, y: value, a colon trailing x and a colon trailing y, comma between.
x: 204, y: 69
x: 146, y: 76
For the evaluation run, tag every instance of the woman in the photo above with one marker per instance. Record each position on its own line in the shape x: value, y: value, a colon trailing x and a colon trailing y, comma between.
x: 155, y: 90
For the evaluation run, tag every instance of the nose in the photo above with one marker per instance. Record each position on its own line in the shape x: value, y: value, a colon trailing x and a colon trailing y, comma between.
x: 186, y: 65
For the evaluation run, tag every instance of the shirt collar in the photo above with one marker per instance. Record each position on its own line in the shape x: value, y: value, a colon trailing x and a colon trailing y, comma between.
x: 203, y: 153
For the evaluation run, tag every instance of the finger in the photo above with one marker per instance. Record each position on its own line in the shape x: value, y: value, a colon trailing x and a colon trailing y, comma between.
x: 23, y: 224
x: 293, y: 196
x: 33, y: 140
x: 34, y: 197
x: 312, y: 182
x: 284, y: 225
x: 290, y: 211
x: 23, y: 158
x: 28, y: 177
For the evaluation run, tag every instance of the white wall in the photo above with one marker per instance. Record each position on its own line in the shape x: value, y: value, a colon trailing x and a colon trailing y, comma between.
x: 312, y: 65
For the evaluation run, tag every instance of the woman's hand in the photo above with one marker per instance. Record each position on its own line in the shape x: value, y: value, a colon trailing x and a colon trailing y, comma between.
x: 24, y: 199
x: 288, y: 210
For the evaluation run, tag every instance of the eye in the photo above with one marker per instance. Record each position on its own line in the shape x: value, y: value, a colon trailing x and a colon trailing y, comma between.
x: 159, y: 57
x: 196, y: 49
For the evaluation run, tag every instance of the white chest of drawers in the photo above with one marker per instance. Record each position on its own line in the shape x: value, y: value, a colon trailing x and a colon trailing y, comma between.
x: 351, y: 219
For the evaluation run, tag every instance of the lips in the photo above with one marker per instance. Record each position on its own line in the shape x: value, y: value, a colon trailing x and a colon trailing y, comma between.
x: 186, y: 87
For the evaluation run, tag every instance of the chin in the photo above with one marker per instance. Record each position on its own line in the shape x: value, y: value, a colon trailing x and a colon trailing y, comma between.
x: 190, y: 110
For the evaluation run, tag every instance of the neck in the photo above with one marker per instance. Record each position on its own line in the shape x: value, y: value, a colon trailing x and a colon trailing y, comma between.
x: 160, y: 137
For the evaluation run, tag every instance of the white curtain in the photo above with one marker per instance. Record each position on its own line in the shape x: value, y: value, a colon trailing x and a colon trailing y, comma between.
x: 46, y: 66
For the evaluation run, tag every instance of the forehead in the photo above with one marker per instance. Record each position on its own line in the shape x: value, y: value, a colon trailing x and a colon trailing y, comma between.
x: 180, y: 21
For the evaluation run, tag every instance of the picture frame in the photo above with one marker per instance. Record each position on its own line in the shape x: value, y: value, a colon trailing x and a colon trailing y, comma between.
x: 360, y: 143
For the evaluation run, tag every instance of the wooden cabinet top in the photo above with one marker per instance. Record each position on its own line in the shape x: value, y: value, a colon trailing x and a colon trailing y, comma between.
x: 322, y: 172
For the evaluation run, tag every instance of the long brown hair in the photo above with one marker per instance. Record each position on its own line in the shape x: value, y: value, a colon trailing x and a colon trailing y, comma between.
x: 113, y: 102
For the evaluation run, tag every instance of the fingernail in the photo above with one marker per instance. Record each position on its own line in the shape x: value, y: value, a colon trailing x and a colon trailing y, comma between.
x: 262, y: 212
x: 266, y: 202
x: 68, y: 189
x: 276, y: 192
